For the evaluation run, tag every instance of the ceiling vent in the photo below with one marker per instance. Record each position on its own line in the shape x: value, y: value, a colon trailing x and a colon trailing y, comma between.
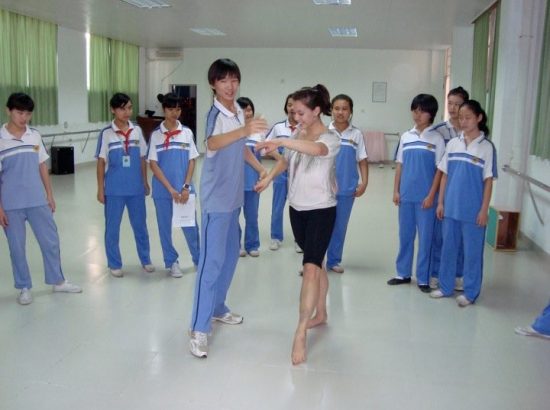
x: 165, y: 54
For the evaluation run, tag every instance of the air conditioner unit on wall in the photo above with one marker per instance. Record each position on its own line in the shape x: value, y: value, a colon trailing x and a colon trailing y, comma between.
x: 165, y: 53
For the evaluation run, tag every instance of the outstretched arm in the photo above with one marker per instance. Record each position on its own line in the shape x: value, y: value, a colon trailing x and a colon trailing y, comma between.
x: 252, y: 126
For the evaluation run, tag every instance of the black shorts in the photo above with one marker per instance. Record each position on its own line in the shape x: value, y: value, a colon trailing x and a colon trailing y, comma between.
x: 312, y: 231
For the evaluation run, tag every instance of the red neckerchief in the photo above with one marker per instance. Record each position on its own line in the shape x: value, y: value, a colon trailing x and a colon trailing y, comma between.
x: 168, y: 135
x: 126, y: 136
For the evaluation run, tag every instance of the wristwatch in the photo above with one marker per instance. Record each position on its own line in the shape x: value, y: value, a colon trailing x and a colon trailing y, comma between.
x: 186, y: 187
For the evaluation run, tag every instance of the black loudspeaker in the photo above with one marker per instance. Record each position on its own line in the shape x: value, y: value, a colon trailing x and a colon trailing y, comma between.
x: 62, y: 160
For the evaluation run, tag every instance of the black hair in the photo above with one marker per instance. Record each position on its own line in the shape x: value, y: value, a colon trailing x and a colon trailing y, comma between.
x: 461, y: 92
x: 20, y: 101
x: 288, y: 97
x: 222, y: 68
x: 426, y: 103
x: 317, y: 96
x: 119, y: 100
x: 246, y: 102
x: 169, y: 100
x: 345, y: 98
x: 475, y: 107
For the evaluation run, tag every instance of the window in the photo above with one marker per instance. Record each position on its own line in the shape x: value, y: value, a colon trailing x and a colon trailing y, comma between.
x: 541, y: 132
x: 113, y: 66
x: 28, y: 63
x: 485, y: 59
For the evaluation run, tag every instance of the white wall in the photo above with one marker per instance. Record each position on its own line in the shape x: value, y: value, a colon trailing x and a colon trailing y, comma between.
x: 269, y: 75
x: 462, y: 56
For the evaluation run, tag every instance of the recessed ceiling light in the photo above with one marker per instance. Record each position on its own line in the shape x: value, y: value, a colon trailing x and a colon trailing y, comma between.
x: 208, y: 31
x: 147, y: 4
x: 332, y: 2
x: 343, y: 31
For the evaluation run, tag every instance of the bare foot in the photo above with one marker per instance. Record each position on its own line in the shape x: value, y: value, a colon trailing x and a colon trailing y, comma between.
x: 317, y: 320
x: 299, y: 349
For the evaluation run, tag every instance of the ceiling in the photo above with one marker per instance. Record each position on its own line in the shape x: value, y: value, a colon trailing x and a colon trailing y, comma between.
x: 381, y: 24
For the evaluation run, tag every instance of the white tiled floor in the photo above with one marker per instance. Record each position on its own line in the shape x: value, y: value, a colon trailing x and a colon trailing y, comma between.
x: 122, y: 344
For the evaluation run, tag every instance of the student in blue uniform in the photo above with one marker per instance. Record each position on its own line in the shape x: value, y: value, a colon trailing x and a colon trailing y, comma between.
x: 448, y: 129
x: 122, y: 182
x: 251, y: 197
x: 171, y: 156
x: 282, y: 129
x: 466, y: 188
x: 539, y: 328
x: 26, y: 195
x: 309, y: 157
x: 222, y: 196
x: 352, y: 155
x: 415, y: 189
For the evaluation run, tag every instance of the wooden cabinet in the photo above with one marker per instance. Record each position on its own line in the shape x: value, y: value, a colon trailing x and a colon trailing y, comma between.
x: 502, y: 228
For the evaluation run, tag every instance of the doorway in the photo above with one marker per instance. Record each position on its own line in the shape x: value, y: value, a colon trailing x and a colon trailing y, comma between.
x: 188, y: 96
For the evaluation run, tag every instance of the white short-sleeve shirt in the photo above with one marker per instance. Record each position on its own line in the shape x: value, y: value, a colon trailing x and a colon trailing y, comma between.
x: 312, y: 179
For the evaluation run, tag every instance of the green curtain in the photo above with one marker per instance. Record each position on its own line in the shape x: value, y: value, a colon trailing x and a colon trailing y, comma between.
x: 479, y: 67
x: 28, y: 63
x: 492, y: 87
x: 113, y: 67
x: 541, y: 134
x: 100, y: 90
x: 483, y: 82
x: 125, y: 70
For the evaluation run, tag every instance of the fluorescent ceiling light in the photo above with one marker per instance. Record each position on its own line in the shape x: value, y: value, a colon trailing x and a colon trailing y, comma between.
x: 343, y: 31
x: 332, y: 2
x: 208, y: 31
x: 147, y: 4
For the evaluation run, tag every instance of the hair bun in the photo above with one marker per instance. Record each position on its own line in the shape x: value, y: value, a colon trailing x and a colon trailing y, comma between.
x: 160, y: 97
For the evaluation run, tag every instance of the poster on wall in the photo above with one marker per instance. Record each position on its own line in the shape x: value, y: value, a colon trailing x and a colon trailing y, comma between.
x: 379, y: 89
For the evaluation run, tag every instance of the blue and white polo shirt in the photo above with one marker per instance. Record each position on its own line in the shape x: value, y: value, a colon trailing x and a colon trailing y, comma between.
x: 20, y: 183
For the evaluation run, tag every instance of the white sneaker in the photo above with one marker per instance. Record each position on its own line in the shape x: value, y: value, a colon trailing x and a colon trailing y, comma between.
x: 242, y: 253
x: 67, y: 287
x: 175, y: 270
x: 149, y: 268
x: 436, y: 294
x: 463, y: 301
x: 254, y: 253
x: 529, y: 331
x: 25, y: 297
x: 337, y: 269
x: 459, y: 284
x: 275, y: 244
x: 297, y: 248
x: 198, y: 344
x: 229, y: 318
x: 117, y: 273
x: 434, y: 283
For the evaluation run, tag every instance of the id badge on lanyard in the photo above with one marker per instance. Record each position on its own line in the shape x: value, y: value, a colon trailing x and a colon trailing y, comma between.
x: 126, y: 161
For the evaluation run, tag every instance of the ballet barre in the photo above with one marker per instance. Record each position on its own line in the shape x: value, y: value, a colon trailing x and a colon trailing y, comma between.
x: 62, y: 134
x: 531, y: 181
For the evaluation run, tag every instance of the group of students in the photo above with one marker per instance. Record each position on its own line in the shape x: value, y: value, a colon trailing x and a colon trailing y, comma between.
x: 444, y: 173
x: 122, y: 155
x: 316, y: 167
